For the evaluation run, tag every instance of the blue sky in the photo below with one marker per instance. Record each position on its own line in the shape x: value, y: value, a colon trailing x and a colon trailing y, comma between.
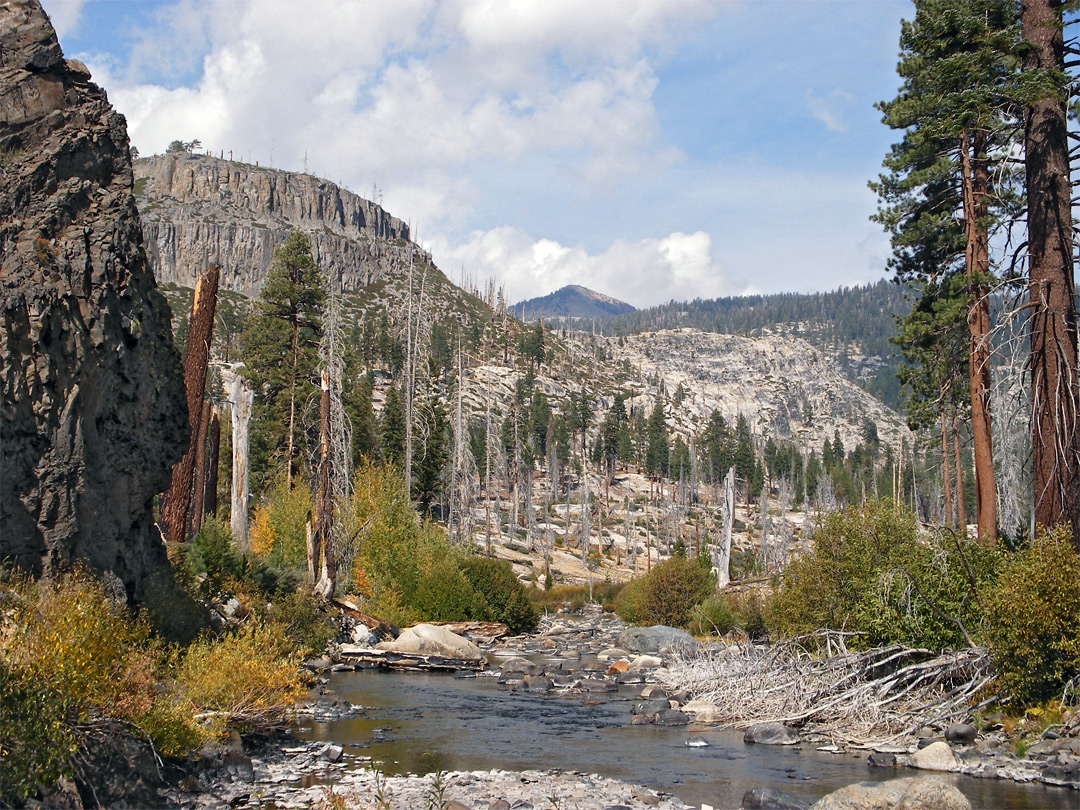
x: 652, y: 150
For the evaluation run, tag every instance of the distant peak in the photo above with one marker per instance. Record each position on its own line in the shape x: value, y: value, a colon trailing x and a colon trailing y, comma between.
x: 571, y: 301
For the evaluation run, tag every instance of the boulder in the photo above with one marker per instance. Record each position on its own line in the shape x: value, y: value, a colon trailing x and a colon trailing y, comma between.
x: 641, y: 662
x: 704, y: 712
x: 961, y: 733
x: 912, y: 793
x: 937, y: 756
x: 771, y: 734
x: 671, y: 717
x: 428, y: 639
x: 763, y: 798
x: 520, y: 666
x: 881, y: 759
x: 657, y: 640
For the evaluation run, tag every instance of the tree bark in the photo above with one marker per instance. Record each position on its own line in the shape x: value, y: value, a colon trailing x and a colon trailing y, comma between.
x: 213, y: 455
x: 961, y: 508
x: 946, y: 484
x: 1055, y: 438
x: 177, y: 499
x: 976, y: 183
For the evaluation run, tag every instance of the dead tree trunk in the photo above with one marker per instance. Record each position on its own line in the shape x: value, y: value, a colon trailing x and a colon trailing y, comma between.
x: 240, y: 398
x: 177, y: 499
x: 213, y: 454
x: 1055, y: 395
x: 198, y: 497
x: 324, y: 562
x: 723, y: 557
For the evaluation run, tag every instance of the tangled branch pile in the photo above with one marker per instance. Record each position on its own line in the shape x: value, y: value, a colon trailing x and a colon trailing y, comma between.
x: 857, y: 698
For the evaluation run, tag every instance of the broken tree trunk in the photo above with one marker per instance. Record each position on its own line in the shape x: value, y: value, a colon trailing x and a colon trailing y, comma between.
x: 213, y: 454
x: 198, y: 497
x: 723, y: 557
x: 177, y: 500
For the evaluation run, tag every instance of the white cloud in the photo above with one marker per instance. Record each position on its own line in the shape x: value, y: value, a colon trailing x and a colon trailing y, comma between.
x: 650, y: 271
x: 831, y: 109
x: 65, y: 16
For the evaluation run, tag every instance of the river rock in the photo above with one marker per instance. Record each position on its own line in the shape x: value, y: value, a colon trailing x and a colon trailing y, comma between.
x: 643, y: 662
x: 764, y: 798
x: 520, y: 666
x: 703, y: 711
x: 671, y: 717
x: 771, y: 734
x: 961, y: 733
x: 658, y: 640
x: 537, y: 683
x: 881, y: 759
x: 428, y: 639
x: 912, y: 793
x: 937, y: 756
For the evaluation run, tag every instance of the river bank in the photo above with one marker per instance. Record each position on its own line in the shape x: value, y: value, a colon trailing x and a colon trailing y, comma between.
x: 572, y: 684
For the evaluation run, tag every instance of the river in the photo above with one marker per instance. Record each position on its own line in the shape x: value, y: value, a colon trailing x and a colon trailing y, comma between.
x: 419, y: 723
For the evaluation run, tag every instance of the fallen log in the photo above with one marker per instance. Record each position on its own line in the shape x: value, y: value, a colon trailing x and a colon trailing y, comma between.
x: 368, y: 657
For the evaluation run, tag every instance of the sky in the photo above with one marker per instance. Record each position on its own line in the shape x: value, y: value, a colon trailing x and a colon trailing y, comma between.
x: 652, y: 150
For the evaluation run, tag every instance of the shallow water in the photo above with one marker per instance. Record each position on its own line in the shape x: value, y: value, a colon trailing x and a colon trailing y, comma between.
x: 419, y: 723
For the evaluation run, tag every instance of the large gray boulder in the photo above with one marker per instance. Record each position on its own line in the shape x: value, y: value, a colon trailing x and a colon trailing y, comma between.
x: 657, y: 640
x: 937, y: 756
x: 912, y: 793
x: 764, y: 798
x: 429, y: 639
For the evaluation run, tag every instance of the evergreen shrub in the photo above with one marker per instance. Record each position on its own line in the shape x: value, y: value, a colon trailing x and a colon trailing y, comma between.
x: 872, y: 572
x: 1034, y: 618
x: 667, y: 594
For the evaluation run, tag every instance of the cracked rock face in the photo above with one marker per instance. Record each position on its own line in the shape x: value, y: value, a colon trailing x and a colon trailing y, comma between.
x: 93, y: 413
x: 195, y: 208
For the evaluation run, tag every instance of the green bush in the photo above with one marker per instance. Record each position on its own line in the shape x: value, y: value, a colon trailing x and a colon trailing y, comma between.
x: 506, y: 600
x: 871, y: 571
x: 668, y: 593
x: 1034, y: 618
x: 36, y: 742
x: 720, y: 614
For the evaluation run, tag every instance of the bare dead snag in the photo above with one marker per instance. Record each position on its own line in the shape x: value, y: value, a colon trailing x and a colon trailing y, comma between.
x: 177, y: 499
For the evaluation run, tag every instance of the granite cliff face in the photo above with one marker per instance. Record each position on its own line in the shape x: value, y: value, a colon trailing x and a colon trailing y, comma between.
x: 783, y: 385
x: 93, y: 412
x: 199, y: 208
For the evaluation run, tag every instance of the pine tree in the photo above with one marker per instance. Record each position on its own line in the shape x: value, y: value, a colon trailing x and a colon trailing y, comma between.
x: 956, y: 108
x: 656, y: 454
x: 392, y: 428
x: 279, y: 346
x: 1055, y: 386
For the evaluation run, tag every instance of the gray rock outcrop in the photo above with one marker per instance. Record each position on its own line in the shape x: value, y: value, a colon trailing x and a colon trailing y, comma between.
x: 771, y: 734
x: 197, y: 208
x: 93, y: 412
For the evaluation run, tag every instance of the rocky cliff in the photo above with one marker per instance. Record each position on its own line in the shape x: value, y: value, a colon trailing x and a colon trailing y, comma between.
x: 93, y: 412
x: 197, y: 208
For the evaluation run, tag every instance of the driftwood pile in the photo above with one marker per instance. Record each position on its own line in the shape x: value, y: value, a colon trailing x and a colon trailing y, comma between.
x: 856, y: 698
